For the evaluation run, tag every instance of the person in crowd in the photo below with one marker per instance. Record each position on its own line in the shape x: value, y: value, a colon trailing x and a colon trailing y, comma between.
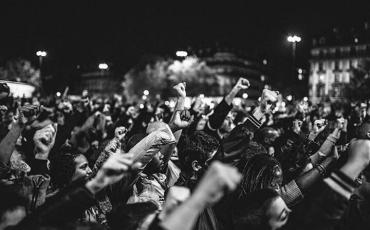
x: 98, y: 163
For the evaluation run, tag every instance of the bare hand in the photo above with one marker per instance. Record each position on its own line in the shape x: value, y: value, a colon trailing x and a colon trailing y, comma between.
x: 120, y: 132
x: 27, y: 114
x: 242, y: 84
x: 182, y: 119
x: 218, y: 179
x: 112, y: 171
x: 297, y: 124
x: 268, y: 100
x: 180, y: 89
x: 44, y: 140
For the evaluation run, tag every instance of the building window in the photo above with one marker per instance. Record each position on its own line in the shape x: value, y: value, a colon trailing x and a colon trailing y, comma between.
x: 321, y: 66
x: 320, y: 92
x: 315, y: 52
x: 336, y: 78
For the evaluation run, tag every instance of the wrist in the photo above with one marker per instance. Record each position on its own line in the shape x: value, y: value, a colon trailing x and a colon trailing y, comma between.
x: 352, y: 171
x: 257, y: 113
x: 196, y: 202
x: 18, y: 126
x: 41, y: 156
x: 312, y: 136
x: 173, y: 127
x: 95, y: 185
x: 180, y: 103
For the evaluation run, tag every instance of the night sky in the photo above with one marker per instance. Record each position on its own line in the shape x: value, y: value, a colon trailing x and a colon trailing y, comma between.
x: 87, y: 32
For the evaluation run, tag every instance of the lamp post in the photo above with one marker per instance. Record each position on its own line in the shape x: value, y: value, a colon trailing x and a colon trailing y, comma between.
x: 41, y: 54
x: 294, y: 39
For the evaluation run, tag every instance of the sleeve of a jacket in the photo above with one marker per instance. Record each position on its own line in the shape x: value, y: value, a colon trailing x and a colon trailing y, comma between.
x: 65, y: 208
x: 239, y: 138
x: 291, y: 193
x: 329, y: 208
x: 219, y: 115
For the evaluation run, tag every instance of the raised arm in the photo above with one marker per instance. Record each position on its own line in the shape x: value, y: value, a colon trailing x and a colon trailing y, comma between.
x: 218, y: 179
x: 25, y: 116
x: 80, y: 196
x: 217, y: 118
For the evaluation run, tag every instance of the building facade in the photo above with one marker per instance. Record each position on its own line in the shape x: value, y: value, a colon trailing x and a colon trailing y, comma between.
x: 103, y: 83
x: 230, y: 67
x: 333, y: 57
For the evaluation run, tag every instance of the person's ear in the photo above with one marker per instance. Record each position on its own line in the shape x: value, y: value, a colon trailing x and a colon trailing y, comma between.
x: 196, y: 166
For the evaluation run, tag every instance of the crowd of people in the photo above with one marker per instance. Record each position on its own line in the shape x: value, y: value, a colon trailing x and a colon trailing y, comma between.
x: 99, y: 163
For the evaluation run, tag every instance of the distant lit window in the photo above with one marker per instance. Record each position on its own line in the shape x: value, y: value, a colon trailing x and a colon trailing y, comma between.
x: 337, y: 78
x: 315, y: 52
x: 322, y: 78
x: 322, y: 41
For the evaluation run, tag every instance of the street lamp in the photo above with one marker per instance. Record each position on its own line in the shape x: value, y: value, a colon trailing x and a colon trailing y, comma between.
x: 41, y: 54
x: 103, y: 66
x: 294, y: 39
x: 181, y: 53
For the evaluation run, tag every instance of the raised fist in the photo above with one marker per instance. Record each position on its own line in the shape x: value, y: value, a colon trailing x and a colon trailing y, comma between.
x: 242, y: 83
x: 180, y: 89
x: 44, y: 140
x: 120, y: 132
x: 181, y: 120
x: 113, y: 170
x: 27, y: 114
x: 268, y: 100
x: 218, y: 179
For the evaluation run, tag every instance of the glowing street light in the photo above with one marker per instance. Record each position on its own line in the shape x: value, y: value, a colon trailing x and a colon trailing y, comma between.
x: 181, y: 53
x: 103, y: 66
x: 41, y: 53
x: 146, y: 92
x: 294, y: 39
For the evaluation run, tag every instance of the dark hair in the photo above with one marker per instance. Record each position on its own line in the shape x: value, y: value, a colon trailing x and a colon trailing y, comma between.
x: 130, y: 216
x: 10, y: 199
x: 250, y: 212
x: 196, y: 146
x: 258, y: 173
x: 4, y: 88
x: 63, y: 166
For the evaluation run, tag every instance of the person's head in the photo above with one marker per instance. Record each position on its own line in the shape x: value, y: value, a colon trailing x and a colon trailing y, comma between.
x: 68, y: 167
x: 363, y: 131
x: 261, y: 210
x: 4, y: 90
x: 266, y: 136
x: 259, y: 172
x: 12, y: 206
x: 196, y: 151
